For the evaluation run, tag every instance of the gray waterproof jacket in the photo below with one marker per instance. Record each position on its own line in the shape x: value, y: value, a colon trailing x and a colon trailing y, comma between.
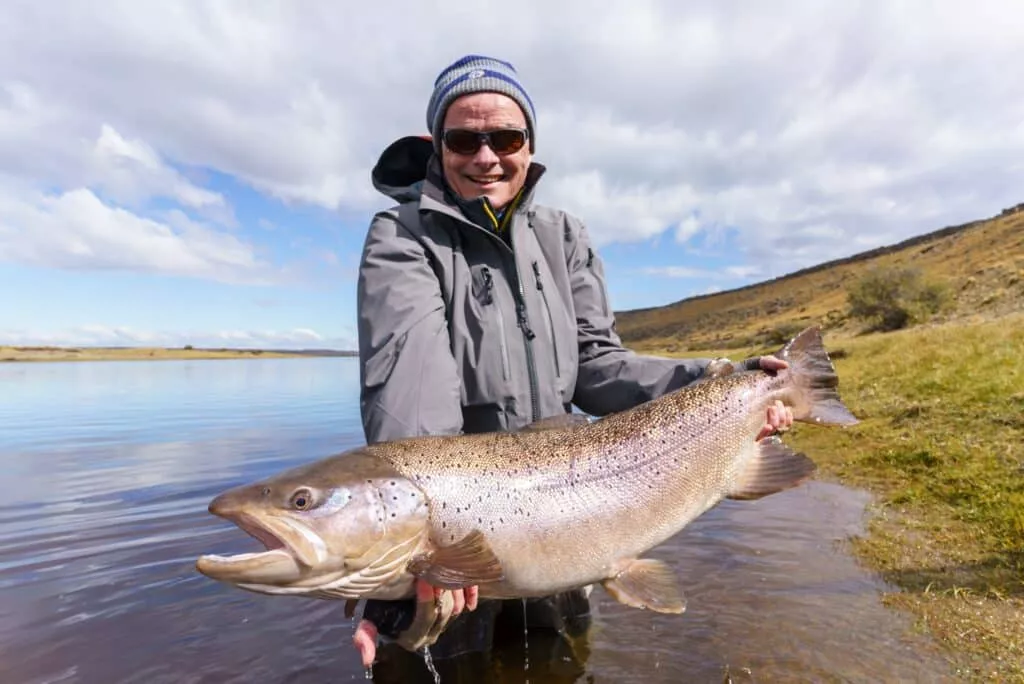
x: 461, y: 332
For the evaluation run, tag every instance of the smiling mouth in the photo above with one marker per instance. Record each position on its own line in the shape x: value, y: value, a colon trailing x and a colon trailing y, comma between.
x: 486, y: 180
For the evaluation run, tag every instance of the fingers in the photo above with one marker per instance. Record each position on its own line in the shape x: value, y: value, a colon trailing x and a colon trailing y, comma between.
x: 773, y: 363
x: 778, y: 418
x: 365, y: 640
x: 434, y: 610
x: 459, y: 597
x: 464, y: 599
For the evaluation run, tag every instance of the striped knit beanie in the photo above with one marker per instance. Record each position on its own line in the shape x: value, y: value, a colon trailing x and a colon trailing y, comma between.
x: 476, y: 74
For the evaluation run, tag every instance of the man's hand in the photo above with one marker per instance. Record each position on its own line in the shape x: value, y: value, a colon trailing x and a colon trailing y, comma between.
x: 431, y: 617
x: 779, y: 417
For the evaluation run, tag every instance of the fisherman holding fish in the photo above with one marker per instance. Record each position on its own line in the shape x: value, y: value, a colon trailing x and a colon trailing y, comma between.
x: 480, y: 310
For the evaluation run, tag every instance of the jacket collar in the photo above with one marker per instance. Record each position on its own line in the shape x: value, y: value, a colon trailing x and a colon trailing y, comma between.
x: 437, y: 196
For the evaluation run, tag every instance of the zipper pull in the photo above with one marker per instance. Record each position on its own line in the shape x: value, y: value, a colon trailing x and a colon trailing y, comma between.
x: 488, y: 285
x: 521, y: 315
x: 536, y: 274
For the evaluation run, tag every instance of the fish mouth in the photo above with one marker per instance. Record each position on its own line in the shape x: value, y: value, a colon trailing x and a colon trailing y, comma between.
x: 282, y: 561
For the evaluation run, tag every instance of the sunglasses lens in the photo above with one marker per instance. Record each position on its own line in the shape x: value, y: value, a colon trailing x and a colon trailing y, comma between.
x: 507, y: 141
x: 502, y: 141
x: 461, y: 141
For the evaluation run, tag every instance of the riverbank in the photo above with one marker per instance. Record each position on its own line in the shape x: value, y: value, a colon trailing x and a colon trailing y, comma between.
x: 941, y: 446
x: 31, y: 354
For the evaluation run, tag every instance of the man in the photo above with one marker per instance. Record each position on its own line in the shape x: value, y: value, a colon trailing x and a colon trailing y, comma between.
x: 479, y: 310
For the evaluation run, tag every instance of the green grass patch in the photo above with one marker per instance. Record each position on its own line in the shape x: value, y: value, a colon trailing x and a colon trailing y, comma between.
x: 941, y: 445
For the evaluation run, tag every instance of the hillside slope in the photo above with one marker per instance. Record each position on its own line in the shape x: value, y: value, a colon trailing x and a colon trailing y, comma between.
x: 982, y: 262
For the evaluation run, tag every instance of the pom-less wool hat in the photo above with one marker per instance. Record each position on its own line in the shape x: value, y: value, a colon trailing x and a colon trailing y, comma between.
x: 477, y: 74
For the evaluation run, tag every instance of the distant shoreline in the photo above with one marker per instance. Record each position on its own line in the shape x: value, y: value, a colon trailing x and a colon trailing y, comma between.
x: 9, y: 353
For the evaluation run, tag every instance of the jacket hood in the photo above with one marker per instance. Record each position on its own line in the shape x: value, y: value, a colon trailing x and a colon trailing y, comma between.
x: 402, y: 167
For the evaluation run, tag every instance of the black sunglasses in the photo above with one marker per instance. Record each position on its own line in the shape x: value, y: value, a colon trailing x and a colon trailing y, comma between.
x: 501, y: 140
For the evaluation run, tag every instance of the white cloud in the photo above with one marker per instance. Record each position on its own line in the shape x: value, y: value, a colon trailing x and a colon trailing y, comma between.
x: 117, y: 336
x: 131, y: 171
x: 76, y: 230
x: 804, y: 130
x: 688, y: 272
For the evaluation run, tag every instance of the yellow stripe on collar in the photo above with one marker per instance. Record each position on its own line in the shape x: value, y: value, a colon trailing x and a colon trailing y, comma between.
x: 511, y: 209
x: 490, y: 214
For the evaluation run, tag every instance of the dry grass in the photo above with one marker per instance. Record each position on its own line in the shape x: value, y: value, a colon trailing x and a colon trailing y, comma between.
x: 982, y: 263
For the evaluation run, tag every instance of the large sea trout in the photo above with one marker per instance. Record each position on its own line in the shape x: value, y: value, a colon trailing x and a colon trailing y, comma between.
x: 559, y: 505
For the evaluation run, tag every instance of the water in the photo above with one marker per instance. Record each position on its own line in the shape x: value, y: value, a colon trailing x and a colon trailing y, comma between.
x: 107, y: 469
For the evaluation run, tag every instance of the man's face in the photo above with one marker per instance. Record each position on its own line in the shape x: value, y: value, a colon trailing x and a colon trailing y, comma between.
x: 485, y: 173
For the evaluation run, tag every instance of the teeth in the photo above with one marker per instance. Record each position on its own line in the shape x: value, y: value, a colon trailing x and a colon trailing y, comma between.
x: 485, y: 179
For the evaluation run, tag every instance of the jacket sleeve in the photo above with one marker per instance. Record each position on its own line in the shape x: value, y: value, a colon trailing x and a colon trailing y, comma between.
x: 610, y: 377
x: 409, y: 383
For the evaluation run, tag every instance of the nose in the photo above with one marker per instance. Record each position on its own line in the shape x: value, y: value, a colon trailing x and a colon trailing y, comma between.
x: 485, y: 156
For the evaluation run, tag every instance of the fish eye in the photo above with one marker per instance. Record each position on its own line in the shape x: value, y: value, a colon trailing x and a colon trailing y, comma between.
x: 302, y: 500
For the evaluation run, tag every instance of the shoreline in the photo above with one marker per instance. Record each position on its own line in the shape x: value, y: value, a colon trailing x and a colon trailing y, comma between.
x: 43, y: 354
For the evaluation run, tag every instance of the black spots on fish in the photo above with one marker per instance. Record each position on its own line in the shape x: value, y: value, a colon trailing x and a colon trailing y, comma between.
x: 444, y: 524
x: 369, y: 482
x: 265, y: 491
x: 451, y: 538
x: 444, y: 504
x: 458, y: 509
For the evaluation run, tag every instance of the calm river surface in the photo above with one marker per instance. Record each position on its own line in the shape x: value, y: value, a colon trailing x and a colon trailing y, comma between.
x: 107, y: 469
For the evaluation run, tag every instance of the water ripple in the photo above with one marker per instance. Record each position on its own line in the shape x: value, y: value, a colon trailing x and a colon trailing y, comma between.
x: 108, y: 469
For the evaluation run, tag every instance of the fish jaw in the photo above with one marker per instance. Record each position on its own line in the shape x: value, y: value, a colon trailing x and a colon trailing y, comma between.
x: 291, y: 550
x: 262, y: 568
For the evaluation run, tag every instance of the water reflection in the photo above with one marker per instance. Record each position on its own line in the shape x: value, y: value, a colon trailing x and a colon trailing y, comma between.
x: 108, y: 468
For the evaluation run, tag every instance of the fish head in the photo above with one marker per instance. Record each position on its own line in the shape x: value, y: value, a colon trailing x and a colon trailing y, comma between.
x: 344, y: 527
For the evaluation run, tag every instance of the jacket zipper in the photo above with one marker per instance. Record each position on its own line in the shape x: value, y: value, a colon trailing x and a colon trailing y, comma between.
x: 490, y: 299
x: 528, y: 335
x: 521, y: 317
x: 551, y: 321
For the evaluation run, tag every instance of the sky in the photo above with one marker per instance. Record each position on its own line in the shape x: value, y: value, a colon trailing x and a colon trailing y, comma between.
x: 198, y: 172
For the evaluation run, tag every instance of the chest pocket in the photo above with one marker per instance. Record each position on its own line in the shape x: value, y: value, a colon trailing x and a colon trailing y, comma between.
x: 486, y: 325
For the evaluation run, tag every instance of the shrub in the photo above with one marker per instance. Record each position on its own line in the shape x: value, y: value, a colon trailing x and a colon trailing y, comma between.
x: 893, y: 298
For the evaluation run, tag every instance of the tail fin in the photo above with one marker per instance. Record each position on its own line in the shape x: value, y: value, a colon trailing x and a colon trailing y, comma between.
x: 815, y: 381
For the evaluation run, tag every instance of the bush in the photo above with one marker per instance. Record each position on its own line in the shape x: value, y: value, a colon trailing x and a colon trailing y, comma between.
x: 890, y: 299
x: 783, y: 332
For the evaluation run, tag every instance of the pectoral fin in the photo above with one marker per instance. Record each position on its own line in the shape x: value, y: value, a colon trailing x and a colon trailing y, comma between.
x: 646, y: 583
x: 465, y: 563
x: 775, y: 467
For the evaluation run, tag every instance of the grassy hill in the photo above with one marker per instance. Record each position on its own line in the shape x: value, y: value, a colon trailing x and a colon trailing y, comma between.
x: 982, y: 262
x: 942, y: 423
